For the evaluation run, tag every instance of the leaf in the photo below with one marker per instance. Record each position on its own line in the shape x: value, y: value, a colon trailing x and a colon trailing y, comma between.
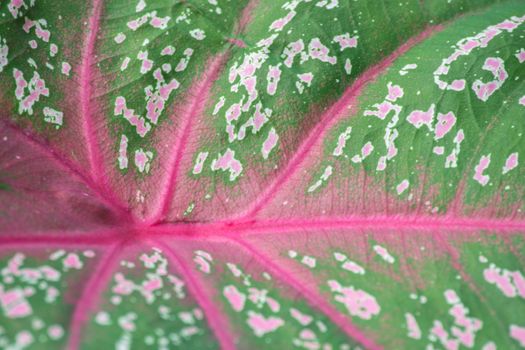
x: 315, y: 174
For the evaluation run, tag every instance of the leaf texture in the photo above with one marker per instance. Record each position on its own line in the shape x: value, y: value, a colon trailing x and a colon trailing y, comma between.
x: 311, y: 174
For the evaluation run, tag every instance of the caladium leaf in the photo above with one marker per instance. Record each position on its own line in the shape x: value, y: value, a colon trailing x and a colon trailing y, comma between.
x: 315, y: 174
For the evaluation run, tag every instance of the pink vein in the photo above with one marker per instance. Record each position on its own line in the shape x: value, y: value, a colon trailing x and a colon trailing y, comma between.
x: 100, y: 237
x: 86, y: 75
x: 225, y: 229
x: 197, y: 104
x: 104, y: 196
x: 214, y: 317
x: 421, y: 223
x: 378, y: 223
x: 313, y: 297
x: 91, y: 292
x: 329, y: 118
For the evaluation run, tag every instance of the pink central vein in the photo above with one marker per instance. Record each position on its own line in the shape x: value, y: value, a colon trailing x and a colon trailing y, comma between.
x: 86, y: 75
x: 415, y: 224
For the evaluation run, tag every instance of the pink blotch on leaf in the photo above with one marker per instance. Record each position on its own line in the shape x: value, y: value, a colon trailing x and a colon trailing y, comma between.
x: 521, y: 55
x: 261, y: 325
x: 123, y: 153
x: 227, y: 162
x: 496, y: 66
x: 367, y: 149
x: 510, y: 163
x: 280, y: 23
x: 199, y: 162
x: 14, y: 303
x: 152, y: 285
x: 419, y: 118
x: 483, y: 164
x: 518, y: 333
x: 292, y: 50
x: 137, y: 121
x: 270, y: 143
x: 358, y: 302
x: 439, y: 150
x: 402, y: 186
x: 510, y: 283
x: 66, y: 68
x: 72, y: 261
x: 203, y: 260
x: 414, y: 331
x: 382, y: 110
x: 444, y: 124
x: 303, y: 319
x: 320, y: 52
x: 28, y: 24
x: 234, y: 297
x: 345, y: 41
x: 274, y: 75
x: 142, y: 160
x: 123, y: 286
x: 394, y: 92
